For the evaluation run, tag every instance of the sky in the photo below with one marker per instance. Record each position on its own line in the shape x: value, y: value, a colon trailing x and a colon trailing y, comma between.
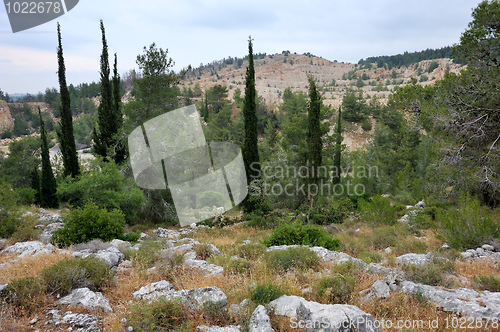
x: 201, y: 31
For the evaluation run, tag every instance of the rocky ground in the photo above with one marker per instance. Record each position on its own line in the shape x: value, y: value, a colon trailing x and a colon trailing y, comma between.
x: 86, y: 310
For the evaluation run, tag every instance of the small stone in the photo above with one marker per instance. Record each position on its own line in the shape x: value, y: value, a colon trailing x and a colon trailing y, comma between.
x: 420, y: 205
x: 33, y: 321
x: 466, y: 255
x: 130, y: 328
x: 488, y: 247
x: 445, y: 246
x: 388, y: 250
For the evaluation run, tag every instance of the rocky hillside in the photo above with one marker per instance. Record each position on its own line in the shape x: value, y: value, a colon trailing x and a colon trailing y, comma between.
x: 274, y: 73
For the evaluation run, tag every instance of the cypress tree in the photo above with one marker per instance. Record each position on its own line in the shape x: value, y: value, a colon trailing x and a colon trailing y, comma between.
x: 315, y: 144
x: 338, y: 150
x: 119, y: 151
x: 65, y: 129
x: 48, y: 186
x: 250, y: 151
x: 105, y: 112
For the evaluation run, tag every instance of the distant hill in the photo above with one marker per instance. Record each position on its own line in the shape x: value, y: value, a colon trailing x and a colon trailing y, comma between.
x: 274, y: 73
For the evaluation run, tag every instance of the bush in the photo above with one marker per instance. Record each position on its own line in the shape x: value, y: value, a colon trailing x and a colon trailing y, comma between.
x: 26, y: 294
x: 265, y: 292
x: 430, y: 273
x: 9, y: 213
x: 256, y: 200
x: 286, y: 234
x: 203, y: 251
x: 160, y: 315
x: 297, y: 258
x: 147, y: 254
x: 69, y: 274
x: 489, y: 283
x: 333, y: 213
x: 211, y: 198
x: 379, y: 210
x: 88, y: 223
x: 240, y: 266
x: 251, y: 251
x: 370, y: 257
x: 366, y: 124
x: 469, y: 225
x: 339, y: 286
x: 27, y: 196
x: 103, y: 184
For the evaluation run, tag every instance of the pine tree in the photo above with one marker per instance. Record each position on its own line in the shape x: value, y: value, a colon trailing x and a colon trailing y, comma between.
x: 65, y: 129
x: 48, y: 186
x: 338, y: 150
x: 105, y: 112
x: 119, y: 151
x: 315, y: 144
x: 250, y: 150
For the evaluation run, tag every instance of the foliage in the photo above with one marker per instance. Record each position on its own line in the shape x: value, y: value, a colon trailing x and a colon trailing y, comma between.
x: 160, y: 315
x: 26, y: 294
x: 469, y: 225
x: 332, y: 213
x: 48, y: 185
x: 430, y: 273
x: 314, y: 141
x: 211, y: 198
x: 378, y: 211
x: 250, y: 151
x: 103, y: 184
x: 9, y: 214
x: 287, y: 234
x: 353, y: 106
x: 70, y: 274
x: 147, y: 254
x: 339, y: 286
x: 65, y: 129
x: 250, y: 251
x: 489, y: 283
x: 299, y: 258
x: 409, y: 58
x: 88, y: 223
x: 23, y: 157
x: 265, y: 292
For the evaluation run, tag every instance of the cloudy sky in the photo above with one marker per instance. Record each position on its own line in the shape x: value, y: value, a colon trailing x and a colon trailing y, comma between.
x: 200, y: 31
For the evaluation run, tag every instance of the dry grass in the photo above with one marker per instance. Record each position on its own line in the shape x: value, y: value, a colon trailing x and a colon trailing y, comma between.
x: 30, y: 266
x: 476, y: 267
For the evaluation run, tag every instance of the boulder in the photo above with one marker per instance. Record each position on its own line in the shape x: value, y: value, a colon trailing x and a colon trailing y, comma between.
x: 414, y: 259
x: 323, y: 317
x: 199, y: 298
x: 260, y: 321
x: 204, y: 266
x: 380, y: 289
x: 29, y: 248
x: 86, y: 298
x: 420, y: 205
x: 46, y: 235
x: 112, y: 256
x: 154, y: 291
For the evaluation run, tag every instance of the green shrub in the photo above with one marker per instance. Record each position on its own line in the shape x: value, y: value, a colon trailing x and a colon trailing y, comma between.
x: 370, y: 257
x: 160, y: 315
x: 240, y: 266
x: 265, y: 292
x: 366, y: 124
x: 378, y: 211
x: 286, y: 234
x: 9, y: 213
x: 432, y: 272
x: 26, y: 294
x: 147, y: 254
x: 103, y: 184
x: 203, y: 251
x: 88, y: 223
x: 332, y: 213
x: 69, y: 274
x: 339, y: 286
x: 410, y: 246
x: 300, y: 258
x: 211, y: 198
x: 469, y: 225
x: 336, y: 288
x: 489, y: 283
x: 27, y: 196
x: 383, y: 237
x: 251, y: 251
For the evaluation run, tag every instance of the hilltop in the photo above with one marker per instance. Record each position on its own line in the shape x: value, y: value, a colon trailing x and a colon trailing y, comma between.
x: 274, y: 73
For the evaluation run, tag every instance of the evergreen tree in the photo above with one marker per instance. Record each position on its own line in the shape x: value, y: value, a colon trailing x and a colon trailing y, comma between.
x: 119, y: 151
x: 65, y: 129
x: 105, y: 112
x: 250, y: 150
x: 338, y: 149
x: 315, y: 144
x: 48, y: 187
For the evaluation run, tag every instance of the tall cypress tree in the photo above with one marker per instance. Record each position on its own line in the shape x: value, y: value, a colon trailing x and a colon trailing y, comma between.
x: 119, y: 151
x: 338, y: 150
x: 105, y: 112
x: 314, y: 141
x: 250, y: 151
x: 65, y: 129
x: 48, y: 186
